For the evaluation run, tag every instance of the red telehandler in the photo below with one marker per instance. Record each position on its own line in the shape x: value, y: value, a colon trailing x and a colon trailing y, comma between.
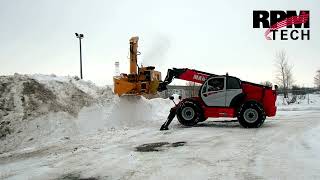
x: 221, y: 96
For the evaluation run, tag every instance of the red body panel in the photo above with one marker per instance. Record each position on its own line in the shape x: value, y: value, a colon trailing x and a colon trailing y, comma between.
x: 215, y: 112
x: 265, y: 96
x: 218, y: 112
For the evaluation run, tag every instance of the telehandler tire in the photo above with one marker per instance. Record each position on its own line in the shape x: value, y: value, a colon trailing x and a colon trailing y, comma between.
x: 251, y: 115
x: 189, y: 114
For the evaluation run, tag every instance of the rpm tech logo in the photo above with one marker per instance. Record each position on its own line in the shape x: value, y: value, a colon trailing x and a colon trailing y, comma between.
x: 283, y: 25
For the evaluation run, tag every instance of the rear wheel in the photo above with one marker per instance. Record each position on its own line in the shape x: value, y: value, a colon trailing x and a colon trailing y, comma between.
x: 251, y: 115
x: 189, y: 114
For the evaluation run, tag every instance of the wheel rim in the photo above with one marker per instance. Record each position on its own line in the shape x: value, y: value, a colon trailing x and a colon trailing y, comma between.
x: 251, y: 115
x: 188, y: 113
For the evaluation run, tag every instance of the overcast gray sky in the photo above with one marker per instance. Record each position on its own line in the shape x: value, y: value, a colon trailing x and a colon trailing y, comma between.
x: 37, y: 36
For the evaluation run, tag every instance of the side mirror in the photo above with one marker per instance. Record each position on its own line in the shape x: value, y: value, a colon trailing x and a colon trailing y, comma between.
x: 171, y: 98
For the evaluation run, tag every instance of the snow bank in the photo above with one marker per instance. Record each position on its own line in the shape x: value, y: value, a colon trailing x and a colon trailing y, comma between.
x: 36, y: 109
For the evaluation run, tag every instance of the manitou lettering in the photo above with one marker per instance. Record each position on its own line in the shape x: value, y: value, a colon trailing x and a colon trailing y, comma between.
x: 296, y: 24
x: 198, y: 77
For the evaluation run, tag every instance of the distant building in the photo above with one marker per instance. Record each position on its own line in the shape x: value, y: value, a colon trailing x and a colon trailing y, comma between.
x: 183, y: 91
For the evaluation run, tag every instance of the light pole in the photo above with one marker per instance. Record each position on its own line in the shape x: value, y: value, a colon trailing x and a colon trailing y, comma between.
x: 80, y: 36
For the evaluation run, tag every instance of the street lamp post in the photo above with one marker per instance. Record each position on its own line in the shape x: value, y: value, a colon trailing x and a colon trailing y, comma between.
x: 80, y: 36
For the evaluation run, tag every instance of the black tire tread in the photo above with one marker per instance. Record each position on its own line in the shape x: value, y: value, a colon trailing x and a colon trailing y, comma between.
x: 261, y: 114
x: 198, y: 116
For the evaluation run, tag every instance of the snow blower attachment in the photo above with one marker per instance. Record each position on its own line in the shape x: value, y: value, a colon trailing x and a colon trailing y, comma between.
x: 141, y: 80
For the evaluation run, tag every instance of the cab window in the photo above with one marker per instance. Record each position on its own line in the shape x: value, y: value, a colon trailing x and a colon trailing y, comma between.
x: 216, y: 84
x: 233, y: 83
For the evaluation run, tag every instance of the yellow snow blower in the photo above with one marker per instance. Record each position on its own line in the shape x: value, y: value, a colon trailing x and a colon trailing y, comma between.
x: 140, y: 80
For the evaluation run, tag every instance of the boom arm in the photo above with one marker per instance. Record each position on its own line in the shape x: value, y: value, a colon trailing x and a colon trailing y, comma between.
x: 184, y: 74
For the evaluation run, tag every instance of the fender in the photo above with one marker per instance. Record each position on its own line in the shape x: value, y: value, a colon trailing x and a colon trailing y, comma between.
x: 237, y: 100
x: 198, y: 102
x: 254, y: 101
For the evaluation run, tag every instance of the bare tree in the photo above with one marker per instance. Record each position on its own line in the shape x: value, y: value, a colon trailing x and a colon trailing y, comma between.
x: 266, y: 83
x: 284, y: 75
x: 317, y: 79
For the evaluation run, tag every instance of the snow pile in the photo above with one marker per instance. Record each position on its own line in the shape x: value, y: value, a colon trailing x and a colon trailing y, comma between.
x: 54, y: 82
x: 37, y: 109
x: 25, y: 97
x: 36, y: 106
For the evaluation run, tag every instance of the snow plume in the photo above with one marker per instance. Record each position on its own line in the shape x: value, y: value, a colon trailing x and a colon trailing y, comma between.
x: 132, y: 111
x: 156, y: 53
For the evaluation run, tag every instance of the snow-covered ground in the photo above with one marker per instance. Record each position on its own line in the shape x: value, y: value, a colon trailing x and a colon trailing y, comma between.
x: 106, y: 137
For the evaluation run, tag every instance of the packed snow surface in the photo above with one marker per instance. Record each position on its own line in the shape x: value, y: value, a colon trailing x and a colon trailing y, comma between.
x: 64, y: 128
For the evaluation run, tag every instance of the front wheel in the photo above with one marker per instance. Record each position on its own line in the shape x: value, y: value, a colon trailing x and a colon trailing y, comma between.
x: 251, y: 115
x: 189, y: 114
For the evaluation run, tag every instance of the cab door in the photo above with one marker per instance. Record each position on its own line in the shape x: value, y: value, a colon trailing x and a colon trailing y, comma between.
x: 213, y: 91
x: 233, y: 89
